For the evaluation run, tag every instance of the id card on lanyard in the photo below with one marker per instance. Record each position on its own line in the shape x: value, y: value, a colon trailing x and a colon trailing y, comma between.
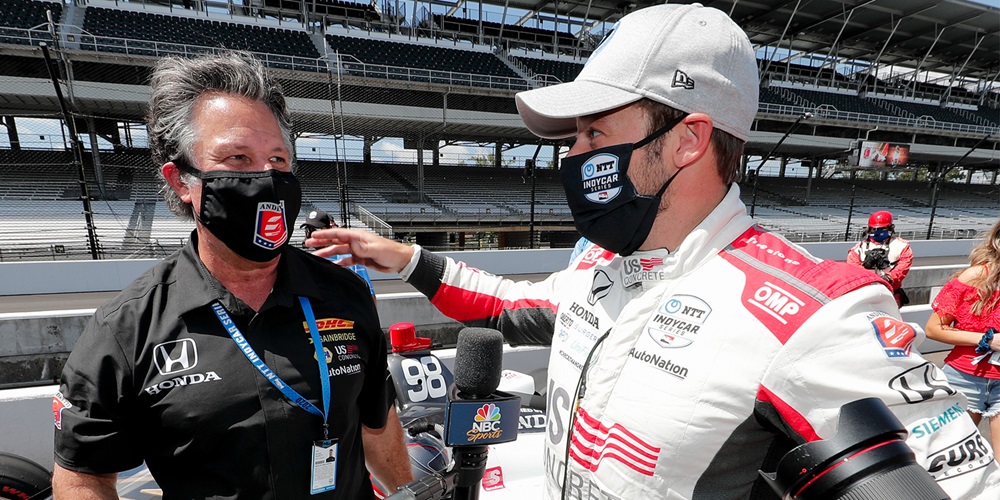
x: 324, y: 472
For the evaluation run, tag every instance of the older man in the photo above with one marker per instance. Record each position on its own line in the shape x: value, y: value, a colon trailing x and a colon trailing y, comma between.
x: 239, y: 365
x: 689, y: 347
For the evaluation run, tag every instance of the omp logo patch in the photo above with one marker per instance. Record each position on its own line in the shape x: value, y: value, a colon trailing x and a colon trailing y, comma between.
x: 921, y: 383
x: 895, y: 336
x: 776, y: 301
x: 175, y: 356
x: 270, y: 227
x: 326, y: 324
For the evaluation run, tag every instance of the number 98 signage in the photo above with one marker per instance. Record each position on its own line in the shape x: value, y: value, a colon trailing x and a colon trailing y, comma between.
x: 419, y: 379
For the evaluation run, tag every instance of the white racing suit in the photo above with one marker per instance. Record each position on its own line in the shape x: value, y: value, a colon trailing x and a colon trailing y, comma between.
x: 720, y: 357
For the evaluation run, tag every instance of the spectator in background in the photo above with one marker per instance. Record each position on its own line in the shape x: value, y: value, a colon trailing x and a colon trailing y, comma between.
x: 317, y: 219
x: 212, y: 367
x: 967, y: 316
x: 884, y: 253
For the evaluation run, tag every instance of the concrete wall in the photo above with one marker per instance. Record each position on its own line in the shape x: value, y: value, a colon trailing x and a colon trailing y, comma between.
x: 34, y: 347
x: 27, y: 278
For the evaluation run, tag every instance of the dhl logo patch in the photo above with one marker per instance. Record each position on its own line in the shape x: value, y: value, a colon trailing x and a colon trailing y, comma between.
x: 330, y: 324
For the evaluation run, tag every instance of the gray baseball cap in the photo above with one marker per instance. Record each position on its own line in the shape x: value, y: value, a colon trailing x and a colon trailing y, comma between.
x: 689, y: 57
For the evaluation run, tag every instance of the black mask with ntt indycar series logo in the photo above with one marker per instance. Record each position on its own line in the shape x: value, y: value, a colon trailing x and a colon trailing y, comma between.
x: 253, y: 213
x: 606, y: 207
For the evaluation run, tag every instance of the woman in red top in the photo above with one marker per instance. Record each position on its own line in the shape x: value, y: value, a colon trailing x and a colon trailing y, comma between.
x: 965, y: 313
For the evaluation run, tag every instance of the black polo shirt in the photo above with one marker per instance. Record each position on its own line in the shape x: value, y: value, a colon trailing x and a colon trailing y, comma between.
x: 155, y: 377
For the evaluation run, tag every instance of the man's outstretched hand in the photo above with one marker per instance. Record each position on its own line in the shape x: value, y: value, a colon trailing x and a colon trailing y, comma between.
x: 370, y: 250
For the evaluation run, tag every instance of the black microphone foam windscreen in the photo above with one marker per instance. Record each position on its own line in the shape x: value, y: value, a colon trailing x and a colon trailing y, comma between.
x: 478, y: 361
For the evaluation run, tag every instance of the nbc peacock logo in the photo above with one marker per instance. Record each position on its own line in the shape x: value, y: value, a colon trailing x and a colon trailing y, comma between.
x: 486, y: 423
x: 488, y: 413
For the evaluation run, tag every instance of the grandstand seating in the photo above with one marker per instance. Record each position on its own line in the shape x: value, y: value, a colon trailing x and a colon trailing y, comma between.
x: 565, y: 71
x: 24, y: 15
x: 918, y: 110
x: 469, y: 28
x: 990, y: 114
x: 842, y: 102
x: 348, y: 10
x: 399, y: 56
x: 144, y: 33
x: 773, y: 96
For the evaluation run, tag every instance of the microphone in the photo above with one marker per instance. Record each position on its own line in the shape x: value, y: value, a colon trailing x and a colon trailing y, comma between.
x: 476, y: 416
x: 478, y: 362
x: 476, y: 412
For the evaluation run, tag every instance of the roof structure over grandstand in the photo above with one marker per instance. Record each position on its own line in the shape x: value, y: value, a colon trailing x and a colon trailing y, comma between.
x: 953, y: 37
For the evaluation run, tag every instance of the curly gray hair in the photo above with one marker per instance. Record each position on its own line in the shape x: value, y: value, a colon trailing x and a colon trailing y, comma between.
x: 178, y: 83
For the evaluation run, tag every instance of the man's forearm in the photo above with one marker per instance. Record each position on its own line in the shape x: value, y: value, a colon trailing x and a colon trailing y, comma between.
x: 72, y: 485
x: 385, y: 453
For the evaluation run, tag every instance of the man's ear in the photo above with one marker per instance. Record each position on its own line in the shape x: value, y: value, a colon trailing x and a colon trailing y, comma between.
x: 694, y: 137
x: 173, y: 176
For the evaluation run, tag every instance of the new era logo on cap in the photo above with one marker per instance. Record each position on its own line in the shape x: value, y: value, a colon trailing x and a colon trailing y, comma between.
x: 681, y: 79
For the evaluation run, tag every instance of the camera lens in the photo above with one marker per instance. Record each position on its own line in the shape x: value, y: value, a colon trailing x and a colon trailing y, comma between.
x: 866, y: 460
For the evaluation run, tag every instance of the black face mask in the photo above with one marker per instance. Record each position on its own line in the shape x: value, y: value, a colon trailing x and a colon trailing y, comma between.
x: 606, y: 207
x: 252, y: 213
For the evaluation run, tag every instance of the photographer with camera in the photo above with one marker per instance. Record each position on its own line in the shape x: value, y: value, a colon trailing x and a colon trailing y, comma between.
x: 883, y: 252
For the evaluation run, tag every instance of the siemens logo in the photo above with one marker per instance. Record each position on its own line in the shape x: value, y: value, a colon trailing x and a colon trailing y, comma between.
x: 184, y: 380
x: 776, y: 302
x: 932, y: 425
x: 656, y: 360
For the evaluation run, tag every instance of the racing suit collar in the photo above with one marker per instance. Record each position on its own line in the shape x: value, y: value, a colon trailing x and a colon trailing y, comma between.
x: 707, y: 239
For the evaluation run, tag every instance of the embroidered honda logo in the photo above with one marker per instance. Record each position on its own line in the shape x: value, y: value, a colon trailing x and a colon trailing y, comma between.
x: 175, y: 356
x: 681, y: 79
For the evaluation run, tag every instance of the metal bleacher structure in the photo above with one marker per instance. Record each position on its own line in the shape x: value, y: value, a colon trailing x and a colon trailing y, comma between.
x: 434, y: 78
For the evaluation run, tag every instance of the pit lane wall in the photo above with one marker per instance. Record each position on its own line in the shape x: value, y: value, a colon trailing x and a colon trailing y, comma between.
x: 34, y: 346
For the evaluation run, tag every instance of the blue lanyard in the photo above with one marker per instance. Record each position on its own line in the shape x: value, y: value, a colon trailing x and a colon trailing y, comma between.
x: 272, y: 377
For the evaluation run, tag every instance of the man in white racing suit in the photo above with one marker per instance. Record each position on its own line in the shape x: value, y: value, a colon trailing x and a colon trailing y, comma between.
x: 689, y: 347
